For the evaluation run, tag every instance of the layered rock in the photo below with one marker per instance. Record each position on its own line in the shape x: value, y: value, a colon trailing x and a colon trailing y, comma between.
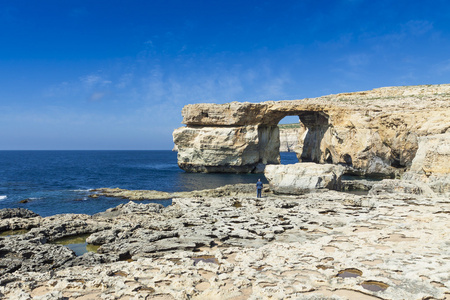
x: 303, y: 177
x: 226, y: 190
x: 289, y: 136
x: 372, y: 133
x: 226, y: 149
x: 431, y: 165
x: 326, y: 245
x: 393, y: 186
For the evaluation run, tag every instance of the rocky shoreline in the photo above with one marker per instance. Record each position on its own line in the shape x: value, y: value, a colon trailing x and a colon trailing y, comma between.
x: 228, y: 244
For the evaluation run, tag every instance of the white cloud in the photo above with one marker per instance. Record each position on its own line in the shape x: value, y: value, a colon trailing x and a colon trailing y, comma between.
x: 94, y: 80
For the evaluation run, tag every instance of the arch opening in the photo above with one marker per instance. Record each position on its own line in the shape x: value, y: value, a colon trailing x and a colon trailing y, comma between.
x: 315, y: 124
x: 289, y: 128
x: 296, y: 134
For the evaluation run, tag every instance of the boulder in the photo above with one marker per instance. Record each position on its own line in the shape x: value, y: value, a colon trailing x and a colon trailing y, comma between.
x: 301, y: 178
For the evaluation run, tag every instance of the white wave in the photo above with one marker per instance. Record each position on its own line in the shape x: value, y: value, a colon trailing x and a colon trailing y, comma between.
x: 3, y: 197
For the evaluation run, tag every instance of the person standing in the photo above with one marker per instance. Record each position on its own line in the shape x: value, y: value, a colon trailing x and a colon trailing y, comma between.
x: 259, y: 187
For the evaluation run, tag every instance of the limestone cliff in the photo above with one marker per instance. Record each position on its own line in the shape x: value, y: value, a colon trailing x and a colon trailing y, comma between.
x: 431, y: 164
x: 374, y: 132
x: 289, y: 135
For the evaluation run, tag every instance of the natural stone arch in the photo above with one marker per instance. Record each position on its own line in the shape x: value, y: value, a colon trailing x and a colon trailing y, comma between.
x: 249, y: 139
x: 370, y: 133
x: 290, y: 129
x: 314, y: 125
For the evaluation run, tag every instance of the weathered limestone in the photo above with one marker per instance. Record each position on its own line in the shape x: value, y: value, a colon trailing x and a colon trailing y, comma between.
x: 240, y: 247
x: 303, y: 177
x: 226, y: 190
x: 232, y: 149
x: 393, y: 186
x: 373, y: 133
x: 132, y: 195
x: 289, y: 137
x: 431, y: 164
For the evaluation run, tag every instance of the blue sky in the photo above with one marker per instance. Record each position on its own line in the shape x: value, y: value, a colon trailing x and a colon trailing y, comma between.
x: 116, y: 74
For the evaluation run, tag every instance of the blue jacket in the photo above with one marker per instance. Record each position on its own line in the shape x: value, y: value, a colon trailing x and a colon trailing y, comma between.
x: 259, y: 185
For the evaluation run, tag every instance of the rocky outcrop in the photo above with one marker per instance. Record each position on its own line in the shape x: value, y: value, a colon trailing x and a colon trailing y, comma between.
x: 431, y: 165
x: 32, y: 250
x: 303, y: 177
x: 16, y: 213
x: 226, y: 190
x: 393, y: 186
x: 325, y: 245
x: 227, y: 149
x: 131, y: 195
x: 372, y: 133
x: 289, y: 136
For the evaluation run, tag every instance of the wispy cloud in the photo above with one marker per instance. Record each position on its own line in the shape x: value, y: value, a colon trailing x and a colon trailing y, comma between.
x: 417, y: 27
x: 125, y: 80
x: 94, y: 80
x: 213, y: 81
x: 97, y: 96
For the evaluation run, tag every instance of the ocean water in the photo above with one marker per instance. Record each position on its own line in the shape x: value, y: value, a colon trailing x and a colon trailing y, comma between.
x: 55, y: 182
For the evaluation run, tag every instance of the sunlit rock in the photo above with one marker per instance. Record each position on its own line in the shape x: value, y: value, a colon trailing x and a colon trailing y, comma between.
x: 431, y: 164
x: 373, y: 133
x: 303, y: 177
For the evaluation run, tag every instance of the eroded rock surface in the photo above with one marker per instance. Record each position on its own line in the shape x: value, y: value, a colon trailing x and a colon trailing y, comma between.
x: 374, y: 132
x: 431, y: 165
x: 241, y: 247
x: 289, y: 136
x: 227, y: 190
x: 302, y: 178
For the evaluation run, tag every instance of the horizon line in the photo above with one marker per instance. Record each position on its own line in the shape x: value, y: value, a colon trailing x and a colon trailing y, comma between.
x: 87, y: 150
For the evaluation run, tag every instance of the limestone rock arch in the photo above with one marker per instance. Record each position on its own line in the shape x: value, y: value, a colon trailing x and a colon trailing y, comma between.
x: 370, y: 133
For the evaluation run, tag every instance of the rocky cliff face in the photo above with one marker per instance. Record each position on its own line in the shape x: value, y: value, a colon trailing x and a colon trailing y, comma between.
x: 431, y: 165
x: 289, y: 136
x: 372, y: 133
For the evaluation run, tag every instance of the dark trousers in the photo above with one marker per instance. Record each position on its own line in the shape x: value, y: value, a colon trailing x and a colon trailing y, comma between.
x: 258, y: 193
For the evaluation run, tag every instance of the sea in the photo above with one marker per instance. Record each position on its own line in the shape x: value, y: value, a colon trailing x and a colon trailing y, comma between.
x: 59, y: 182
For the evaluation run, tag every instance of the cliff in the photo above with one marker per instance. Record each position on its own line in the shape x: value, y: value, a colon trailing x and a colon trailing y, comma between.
x: 289, y: 134
x: 374, y: 133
